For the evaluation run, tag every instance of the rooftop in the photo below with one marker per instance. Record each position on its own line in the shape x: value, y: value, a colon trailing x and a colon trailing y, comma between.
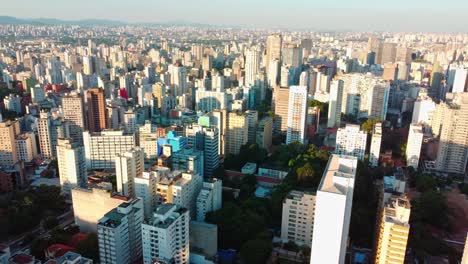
x: 336, y: 178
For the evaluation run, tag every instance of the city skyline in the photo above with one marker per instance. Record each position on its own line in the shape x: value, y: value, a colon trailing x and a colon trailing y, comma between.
x: 336, y: 15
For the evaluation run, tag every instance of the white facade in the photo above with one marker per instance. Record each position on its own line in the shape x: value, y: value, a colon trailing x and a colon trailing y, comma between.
x: 207, y: 101
x: 210, y: 198
x: 375, y: 145
x: 297, y: 221
x: 351, y: 141
x: 102, y: 148
x: 252, y: 65
x: 145, y: 189
x: 460, y: 80
x: 71, y: 165
x: 413, y: 145
x: 423, y: 110
x: 334, y: 104
x: 119, y: 234
x: 297, y: 114
x: 166, y: 236
x: 26, y: 147
x: 128, y: 166
x: 331, y: 227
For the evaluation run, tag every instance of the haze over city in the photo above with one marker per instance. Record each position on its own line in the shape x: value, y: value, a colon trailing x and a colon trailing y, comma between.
x: 360, y: 15
x: 242, y: 132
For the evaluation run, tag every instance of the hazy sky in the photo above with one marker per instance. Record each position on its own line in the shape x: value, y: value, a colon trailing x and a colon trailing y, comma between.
x: 391, y: 15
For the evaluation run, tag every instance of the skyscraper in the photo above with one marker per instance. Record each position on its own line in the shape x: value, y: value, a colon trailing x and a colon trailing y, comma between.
x: 252, y: 65
x: 375, y: 145
x: 393, y: 231
x: 334, y: 105
x: 49, y: 131
x: 413, y: 145
x: 71, y: 165
x: 237, y: 132
x: 146, y: 189
x: 97, y: 112
x: 166, y: 236
x: 8, y: 132
x: 281, y: 108
x: 388, y: 51
x: 297, y: 114
x: 119, y: 233
x: 210, y: 198
x: 331, y: 227
x: 273, y: 49
x: 128, y: 166
x: 102, y: 148
x: 351, y: 141
x: 452, y: 154
x: 298, y: 217
x: 264, y: 133
x: 74, y: 112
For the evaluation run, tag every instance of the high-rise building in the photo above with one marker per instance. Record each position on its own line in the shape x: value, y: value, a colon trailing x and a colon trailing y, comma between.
x: 393, y: 231
x: 207, y: 101
x: 178, y: 79
x: 423, y: 110
x: 71, y: 165
x: 460, y: 81
x: 452, y: 126
x: 334, y: 104
x: 331, y: 227
x: 74, y: 112
x: 252, y: 120
x: 273, y: 49
x: 388, y: 53
x: 128, y: 166
x: 252, y: 65
x: 281, y: 108
x: 97, y: 112
x: 237, y: 132
x: 413, y: 145
x: 373, y: 46
x: 165, y: 237
x: 181, y: 189
x: 374, y: 153
x: 49, y: 131
x: 219, y: 119
x: 292, y: 55
x: 264, y: 133
x: 145, y: 189
x: 210, y: 198
x: 273, y: 73
x: 298, y: 217
x: 9, y: 130
x: 26, y: 146
x: 378, y: 101
x: 119, y: 233
x: 90, y: 205
x: 101, y: 148
x: 297, y: 114
x: 351, y: 141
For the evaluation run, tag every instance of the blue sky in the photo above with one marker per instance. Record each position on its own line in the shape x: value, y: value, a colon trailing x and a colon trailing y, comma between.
x: 391, y: 15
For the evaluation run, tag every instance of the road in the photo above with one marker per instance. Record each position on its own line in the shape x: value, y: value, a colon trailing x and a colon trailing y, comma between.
x: 16, y: 245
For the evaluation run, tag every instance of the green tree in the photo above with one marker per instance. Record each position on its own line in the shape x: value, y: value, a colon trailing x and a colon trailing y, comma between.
x: 255, y: 251
x: 425, y: 182
x: 368, y: 125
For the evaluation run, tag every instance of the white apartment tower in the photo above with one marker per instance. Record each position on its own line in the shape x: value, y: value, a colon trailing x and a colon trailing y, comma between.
x: 375, y: 145
x: 413, y: 145
x: 334, y: 104
x: 297, y: 221
x: 331, y: 227
x: 252, y: 65
x: 8, y: 132
x: 210, y: 198
x: 166, y: 237
x: 71, y: 165
x: 297, y: 114
x: 119, y: 234
x: 351, y: 141
x: 128, y: 166
x: 73, y: 110
x: 237, y: 132
x: 101, y: 148
x: 146, y: 189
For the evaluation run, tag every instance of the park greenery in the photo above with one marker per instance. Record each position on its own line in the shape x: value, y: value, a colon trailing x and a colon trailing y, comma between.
x: 24, y: 210
x: 429, y: 212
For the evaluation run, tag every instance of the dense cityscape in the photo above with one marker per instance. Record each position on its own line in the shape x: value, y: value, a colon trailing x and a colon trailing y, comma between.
x: 190, y: 143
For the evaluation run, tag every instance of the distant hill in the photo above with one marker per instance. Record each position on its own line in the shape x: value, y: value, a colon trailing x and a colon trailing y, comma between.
x: 51, y: 21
